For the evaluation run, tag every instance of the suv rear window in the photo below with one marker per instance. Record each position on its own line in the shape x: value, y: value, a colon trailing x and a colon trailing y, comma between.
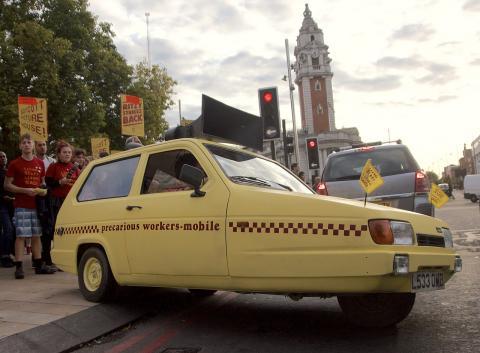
x: 388, y: 161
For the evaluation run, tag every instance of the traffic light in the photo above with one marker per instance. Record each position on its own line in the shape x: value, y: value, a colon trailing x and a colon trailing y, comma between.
x: 288, y: 144
x: 312, y: 153
x: 268, y: 99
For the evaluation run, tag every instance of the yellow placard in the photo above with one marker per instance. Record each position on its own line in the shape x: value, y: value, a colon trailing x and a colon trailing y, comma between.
x: 131, y: 114
x: 100, y: 144
x: 370, y: 179
x: 185, y: 122
x: 437, y: 197
x: 32, y: 116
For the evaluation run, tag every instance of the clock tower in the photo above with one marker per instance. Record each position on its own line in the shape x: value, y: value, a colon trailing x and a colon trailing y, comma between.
x: 314, y: 78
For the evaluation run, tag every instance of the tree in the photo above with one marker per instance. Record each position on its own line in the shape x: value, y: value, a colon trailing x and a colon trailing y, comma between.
x: 56, y: 49
x: 433, y: 177
x: 155, y: 86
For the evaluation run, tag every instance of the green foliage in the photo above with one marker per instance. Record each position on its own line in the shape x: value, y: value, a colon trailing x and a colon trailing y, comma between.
x: 433, y: 177
x: 56, y: 49
x: 156, y: 88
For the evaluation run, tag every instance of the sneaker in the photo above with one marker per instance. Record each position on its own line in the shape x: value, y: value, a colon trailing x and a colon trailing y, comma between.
x: 6, y: 261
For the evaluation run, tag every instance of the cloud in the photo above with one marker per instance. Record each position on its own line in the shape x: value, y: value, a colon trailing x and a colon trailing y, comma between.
x: 475, y: 62
x: 472, y: 5
x: 399, y: 63
x: 416, y: 32
x: 379, y: 83
x: 440, y: 99
x: 437, y: 73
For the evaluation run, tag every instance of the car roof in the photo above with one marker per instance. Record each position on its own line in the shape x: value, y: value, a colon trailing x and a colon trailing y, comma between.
x: 358, y: 149
x: 147, y: 148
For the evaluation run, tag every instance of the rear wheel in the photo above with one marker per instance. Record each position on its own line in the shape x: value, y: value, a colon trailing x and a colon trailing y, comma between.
x: 474, y: 198
x: 201, y: 293
x: 95, y: 277
x: 378, y: 309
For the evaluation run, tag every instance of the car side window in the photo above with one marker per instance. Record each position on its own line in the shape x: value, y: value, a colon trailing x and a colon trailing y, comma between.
x: 109, y: 180
x: 163, y: 171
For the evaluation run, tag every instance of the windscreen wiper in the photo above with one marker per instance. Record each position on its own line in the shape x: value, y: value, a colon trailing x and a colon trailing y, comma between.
x: 259, y: 181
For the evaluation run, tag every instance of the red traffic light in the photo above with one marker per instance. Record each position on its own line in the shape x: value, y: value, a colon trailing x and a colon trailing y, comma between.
x: 312, y: 144
x: 267, y: 97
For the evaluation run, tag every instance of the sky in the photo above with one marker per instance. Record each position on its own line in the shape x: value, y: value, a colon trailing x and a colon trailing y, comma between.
x: 406, y: 69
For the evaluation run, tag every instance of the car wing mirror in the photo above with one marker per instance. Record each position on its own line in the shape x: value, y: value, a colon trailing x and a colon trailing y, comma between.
x: 193, y: 176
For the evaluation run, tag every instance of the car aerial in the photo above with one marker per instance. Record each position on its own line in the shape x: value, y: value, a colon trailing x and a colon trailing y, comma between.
x: 405, y: 185
x: 197, y: 214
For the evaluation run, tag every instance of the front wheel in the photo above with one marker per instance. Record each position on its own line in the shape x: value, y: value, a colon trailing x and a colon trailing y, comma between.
x: 377, y: 309
x: 95, y: 277
x: 473, y: 198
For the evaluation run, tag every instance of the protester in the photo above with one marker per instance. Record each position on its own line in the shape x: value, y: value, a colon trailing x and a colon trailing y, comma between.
x: 316, y: 181
x: 133, y: 142
x: 295, y: 169
x: 60, y: 177
x: 6, y: 209
x: 301, y: 175
x: 41, y: 153
x: 24, y: 177
x: 79, y: 158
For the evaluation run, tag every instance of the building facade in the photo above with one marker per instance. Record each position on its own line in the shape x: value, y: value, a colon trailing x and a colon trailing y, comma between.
x: 314, y: 81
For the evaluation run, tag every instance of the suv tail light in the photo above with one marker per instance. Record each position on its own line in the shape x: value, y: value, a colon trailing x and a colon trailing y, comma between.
x: 321, y: 189
x: 421, y: 182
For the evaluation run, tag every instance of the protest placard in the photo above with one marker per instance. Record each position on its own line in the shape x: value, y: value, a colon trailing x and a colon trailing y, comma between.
x: 32, y: 116
x: 131, y: 113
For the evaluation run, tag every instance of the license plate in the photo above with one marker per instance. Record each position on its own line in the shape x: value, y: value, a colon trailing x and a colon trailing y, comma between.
x: 427, y: 280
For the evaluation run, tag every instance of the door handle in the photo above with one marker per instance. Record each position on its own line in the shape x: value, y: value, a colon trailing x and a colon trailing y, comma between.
x: 131, y: 207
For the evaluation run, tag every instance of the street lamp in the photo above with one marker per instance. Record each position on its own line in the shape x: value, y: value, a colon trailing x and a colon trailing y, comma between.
x: 291, y: 88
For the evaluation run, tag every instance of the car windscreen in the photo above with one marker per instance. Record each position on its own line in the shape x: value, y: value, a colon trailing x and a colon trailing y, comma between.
x: 387, y: 161
x: 247, y: 169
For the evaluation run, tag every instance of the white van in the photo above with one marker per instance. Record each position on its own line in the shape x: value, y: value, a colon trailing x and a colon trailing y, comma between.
x: 471, y: 187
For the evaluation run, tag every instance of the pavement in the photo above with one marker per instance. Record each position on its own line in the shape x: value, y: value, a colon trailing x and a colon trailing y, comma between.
x: 47, y: 313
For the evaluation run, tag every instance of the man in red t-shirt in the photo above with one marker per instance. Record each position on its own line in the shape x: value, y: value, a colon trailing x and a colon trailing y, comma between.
x: 24, y: 177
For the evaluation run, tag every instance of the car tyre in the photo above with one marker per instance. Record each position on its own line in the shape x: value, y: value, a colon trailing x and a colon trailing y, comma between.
x: 95, y: 278
x: 377, y: 309
x: 474, y: 198
x: 202, y: 293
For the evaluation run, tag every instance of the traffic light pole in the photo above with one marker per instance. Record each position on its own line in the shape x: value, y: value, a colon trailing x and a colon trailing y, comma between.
x: 291, y: 87
x: 285, y: 149
x: 272, y: 148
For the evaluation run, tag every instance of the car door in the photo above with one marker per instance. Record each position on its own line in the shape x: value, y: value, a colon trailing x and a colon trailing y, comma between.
x: 168, y: 231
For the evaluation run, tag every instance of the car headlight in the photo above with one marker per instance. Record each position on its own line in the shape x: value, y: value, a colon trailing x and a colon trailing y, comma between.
x: 448, y: 238
x: 384, y: 231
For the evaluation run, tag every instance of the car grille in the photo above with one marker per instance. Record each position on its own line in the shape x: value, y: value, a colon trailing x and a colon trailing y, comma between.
x: 430, y: 240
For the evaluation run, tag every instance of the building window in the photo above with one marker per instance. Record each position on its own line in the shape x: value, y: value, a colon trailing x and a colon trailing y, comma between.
x: 315, y: 61
x: 318, y: 87
x: 312, y: 38
x: 319, y: 109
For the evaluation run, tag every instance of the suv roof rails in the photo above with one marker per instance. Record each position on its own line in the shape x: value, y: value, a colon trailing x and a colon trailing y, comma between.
x: 366, y: 144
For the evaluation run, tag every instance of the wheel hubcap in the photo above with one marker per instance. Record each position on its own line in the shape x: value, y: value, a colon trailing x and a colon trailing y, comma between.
x: 92, y: 274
